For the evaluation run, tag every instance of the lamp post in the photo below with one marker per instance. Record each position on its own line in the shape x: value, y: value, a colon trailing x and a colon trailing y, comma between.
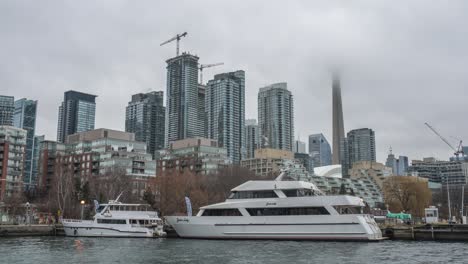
x: 82, y: 208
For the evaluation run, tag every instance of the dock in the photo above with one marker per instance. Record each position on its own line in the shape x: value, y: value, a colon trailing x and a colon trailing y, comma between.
x: 27, y: 230
x: 427, y: 232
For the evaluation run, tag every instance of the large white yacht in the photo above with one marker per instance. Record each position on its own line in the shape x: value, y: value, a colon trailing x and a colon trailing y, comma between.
x: 291, y: 210
x: 117, y: 219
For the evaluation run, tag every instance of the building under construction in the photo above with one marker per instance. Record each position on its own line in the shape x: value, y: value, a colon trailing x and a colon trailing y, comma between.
x: 445, y: 172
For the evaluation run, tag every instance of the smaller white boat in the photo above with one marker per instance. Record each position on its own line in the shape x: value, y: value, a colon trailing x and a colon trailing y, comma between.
x: 117, y: 219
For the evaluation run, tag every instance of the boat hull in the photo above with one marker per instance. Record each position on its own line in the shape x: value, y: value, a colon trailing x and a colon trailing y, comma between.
x: 92, y: 230
x: 341, y: 228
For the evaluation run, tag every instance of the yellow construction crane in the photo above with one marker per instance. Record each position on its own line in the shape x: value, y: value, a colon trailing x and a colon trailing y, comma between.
x: 457, y: 151
x: 203, y: 66
x: 177, y: 37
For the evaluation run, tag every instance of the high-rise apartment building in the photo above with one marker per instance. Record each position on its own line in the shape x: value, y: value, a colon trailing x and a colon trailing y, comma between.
x: 202, y: 117
x: 7, y: 108
x: 320, y: 150
x: 25, y: 117
x: 445, y: 172
x: 276, y: 117
x: 360, y: 146
x: 225, y: 112
x: 252, y: 138
x: 182, y: 103
x: 12, y: 152
x: 338, y: 124
x: 76, y: 114
x: 145, y: 117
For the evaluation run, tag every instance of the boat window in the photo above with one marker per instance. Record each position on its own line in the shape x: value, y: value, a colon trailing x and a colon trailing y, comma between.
x: 288, y: 211
x: 253, y: 194
x: 346, y: 209
x: 133, y: 221
x: 100, y: 208
x: 112, y: 221
x: 298, y: 193
x: 141, y: 222
x: 221, y: 212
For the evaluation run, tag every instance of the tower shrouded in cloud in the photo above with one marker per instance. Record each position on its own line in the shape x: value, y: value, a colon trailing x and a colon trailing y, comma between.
x: 338, y: 124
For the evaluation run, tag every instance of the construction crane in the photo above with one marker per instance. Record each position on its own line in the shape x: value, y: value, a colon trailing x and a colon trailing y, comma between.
x: 203, y: 66
x: 177, y: 37
x: 457, y: 151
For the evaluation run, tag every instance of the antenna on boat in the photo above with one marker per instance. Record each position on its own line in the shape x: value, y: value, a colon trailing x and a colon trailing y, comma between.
x: 118, y: 197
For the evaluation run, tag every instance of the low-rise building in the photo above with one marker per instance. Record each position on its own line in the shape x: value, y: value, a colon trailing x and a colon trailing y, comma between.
x: 375, y: 171
x: 451, y: 172
x: 12, y: 157
x: 198, y: 155
x: 267, y: 161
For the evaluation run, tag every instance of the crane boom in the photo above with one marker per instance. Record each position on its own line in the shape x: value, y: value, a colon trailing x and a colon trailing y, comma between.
x: 177, y: 38
x: 457, y: 151
x: 203, y: 66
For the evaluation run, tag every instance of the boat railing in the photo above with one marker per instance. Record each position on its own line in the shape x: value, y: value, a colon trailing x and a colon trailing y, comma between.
x: 72, y: 220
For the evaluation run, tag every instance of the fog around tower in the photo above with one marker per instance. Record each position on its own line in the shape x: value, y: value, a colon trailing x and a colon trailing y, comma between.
x: 400, y: 64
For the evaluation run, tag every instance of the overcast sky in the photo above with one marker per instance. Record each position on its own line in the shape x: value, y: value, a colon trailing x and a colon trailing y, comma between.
x: 402, y: 63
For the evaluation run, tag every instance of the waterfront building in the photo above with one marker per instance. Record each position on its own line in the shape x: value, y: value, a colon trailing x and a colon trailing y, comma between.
x: 25, y: 117
x: 7, y: 109
x: 76, y: 114
x: 375, y: 171
x: 49, y: 151
x: 276, y: 117
x: 252, y: 135
x: 320, y: 150
x: 12, y: 155
x: 451, y: 172
x: 198, y: 155
x: 98, y: 152
x: 145, y: 117
x: 225, y: 112
x: 267, y: 161
x: 299, y: 147
x: 359, y: 145
x: 306, y: 160
x: 35, y: 162
x: 182, y: 99
x: 338, y: 124
x: 202, y: 116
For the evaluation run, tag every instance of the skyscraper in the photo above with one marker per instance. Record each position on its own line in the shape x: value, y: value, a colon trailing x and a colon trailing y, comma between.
x: 252, y: 135
x: 7, y: 108
x: 319, y: 150
x: 145, y: 116
x: 338, y: 124
x: 202, y: 118
x: 182, y: 115
x: 399, y: 166
x: 276, y: 117
x: 299, y: 147
x: 76, y: 114
x: 25, y: 117
x: 360, y: 146
x: 225, y: 112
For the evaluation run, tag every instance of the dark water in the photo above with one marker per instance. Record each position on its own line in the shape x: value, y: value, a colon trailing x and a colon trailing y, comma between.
x: 112, y: 250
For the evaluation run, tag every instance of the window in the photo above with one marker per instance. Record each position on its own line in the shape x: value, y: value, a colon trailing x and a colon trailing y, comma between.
x: 288, y: 211
x: 298, y: 192
x: 253, y: 194
x: 344, y: 209
x: 112, y: 221
x: 221, y: 212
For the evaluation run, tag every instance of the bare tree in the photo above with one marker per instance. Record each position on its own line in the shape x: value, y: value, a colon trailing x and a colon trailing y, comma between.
x: 111, y: 184
x: 406, y: 193
x: 62, y: 188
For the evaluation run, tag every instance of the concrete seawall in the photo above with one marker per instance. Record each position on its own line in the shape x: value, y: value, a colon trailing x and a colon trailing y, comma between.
x: 27, y: 230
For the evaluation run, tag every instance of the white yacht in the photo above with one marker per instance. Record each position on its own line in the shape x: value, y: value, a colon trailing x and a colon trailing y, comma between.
x: 117, y: 219
x: 291, y: 210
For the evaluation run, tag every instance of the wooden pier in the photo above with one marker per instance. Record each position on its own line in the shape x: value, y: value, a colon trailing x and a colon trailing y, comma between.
x: 427, y: 232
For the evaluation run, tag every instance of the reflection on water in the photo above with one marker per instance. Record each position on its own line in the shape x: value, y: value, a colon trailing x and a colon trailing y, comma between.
x: 123, y: 250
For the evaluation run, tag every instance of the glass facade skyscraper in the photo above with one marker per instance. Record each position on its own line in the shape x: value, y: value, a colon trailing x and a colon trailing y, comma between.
x: 77, y: 113
x: 182, y: 115
x: 145, y: 116
x: 252, y: 137
x: 25, y: 117
x: 276, y: 117
x: 359, y: 145
x: 7, y: 108
x: 225, y: 112
x: 320, y: 150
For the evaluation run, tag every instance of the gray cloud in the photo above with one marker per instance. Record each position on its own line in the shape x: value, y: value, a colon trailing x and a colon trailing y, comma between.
x: 403, y: 63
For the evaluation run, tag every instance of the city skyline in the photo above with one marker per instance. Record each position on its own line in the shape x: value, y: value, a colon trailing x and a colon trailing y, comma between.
x: 376, y: 96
